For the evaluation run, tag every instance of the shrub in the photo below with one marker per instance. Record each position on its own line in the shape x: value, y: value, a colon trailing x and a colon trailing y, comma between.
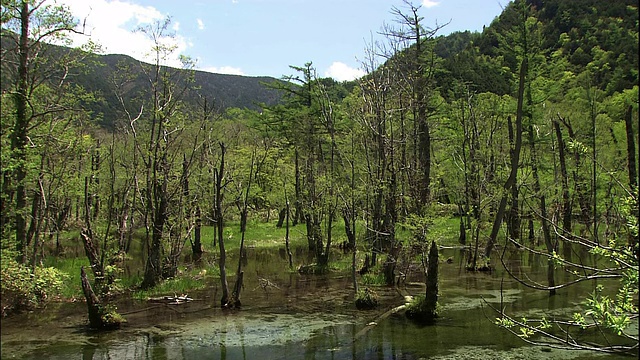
x: 418, y: 309
x: 366, y: 299
x: 24, y: 288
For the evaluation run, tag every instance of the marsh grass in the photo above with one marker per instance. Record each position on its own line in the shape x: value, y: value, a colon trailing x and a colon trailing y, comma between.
x: 71, y: 285
x: 373, y: 278
x: 187, y: 280
x: 259, y: 235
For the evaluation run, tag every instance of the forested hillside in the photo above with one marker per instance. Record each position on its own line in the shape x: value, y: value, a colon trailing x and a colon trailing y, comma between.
x: 525, y: 134
x: 97, y: 74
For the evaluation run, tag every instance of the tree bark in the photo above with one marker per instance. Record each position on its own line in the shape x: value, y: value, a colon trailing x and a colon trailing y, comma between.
x: 631, y: 149
x: 514, y: 221
x: 286, y: 234
x: 93, y: 303
x: 92, y: 254
x: 566, y: 200
x: 543, y: 212
x: 281, y: 217
x: 219, y: 181
x: 99, y: 316
x: 633, y: 174
x: 19, y: 134
x: 196, y: 247
x: 514, y: 161
x: 297, y: 216
x: 431, y: 296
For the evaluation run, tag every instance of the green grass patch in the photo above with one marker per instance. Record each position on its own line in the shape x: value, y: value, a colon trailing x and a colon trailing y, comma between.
x: 258, y: 234
x: 187, y: 280
x: 71, y: 285
x: 373, y: 279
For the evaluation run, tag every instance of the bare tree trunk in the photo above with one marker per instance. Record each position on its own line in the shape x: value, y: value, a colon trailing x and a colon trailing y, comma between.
x: 196, y: 247
x: 551, y: 248
x: 153, y: 268
x: 243, y: 228
x: 431, y: 296
x: 92, y: 254
x: 511, y: 181
x: 219, y: 184
x: 566, y: 200
x: 297, y: 217
x: 633, y: 174
x: 281, y: 216
x: 99, y: 316
x: 93, y: 303
x: 514, y: 221
x: 95, y: 180
x: 286, y: 234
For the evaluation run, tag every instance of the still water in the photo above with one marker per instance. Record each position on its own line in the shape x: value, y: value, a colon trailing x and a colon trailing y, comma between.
x: 306, y: 317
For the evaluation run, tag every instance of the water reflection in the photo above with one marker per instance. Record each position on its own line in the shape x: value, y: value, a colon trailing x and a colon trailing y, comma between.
x: 306, y: 317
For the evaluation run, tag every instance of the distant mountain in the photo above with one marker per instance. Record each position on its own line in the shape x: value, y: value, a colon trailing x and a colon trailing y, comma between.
x: 222, y: 91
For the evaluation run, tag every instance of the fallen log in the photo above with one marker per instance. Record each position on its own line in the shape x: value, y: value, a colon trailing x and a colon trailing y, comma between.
x: 171, y: 300
x: 373, y: 324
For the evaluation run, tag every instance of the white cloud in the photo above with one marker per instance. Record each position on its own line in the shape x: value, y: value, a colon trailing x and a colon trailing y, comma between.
x: 230, y: 70
x: 430, y: 3
x: 112, y: 24
x: 343, y: 72
x: 200, y: 24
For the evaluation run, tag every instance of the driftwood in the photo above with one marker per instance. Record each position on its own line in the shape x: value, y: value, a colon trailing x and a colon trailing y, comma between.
x: 172, y: 300
x: 373, y: 324
x: 407, y: 299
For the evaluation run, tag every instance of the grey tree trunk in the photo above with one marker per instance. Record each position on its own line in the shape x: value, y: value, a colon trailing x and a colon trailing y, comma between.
x: 219, y: 181
x: 19, y: 134
x: 431, y: 296
x: 100, y: 317
x: 514, y: 160
x: 566, y: 200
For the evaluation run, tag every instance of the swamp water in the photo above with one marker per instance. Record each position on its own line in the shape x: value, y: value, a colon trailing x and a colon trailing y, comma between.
x: 304, y: 317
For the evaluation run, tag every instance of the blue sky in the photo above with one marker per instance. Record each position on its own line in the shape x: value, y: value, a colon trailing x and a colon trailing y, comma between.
x: 264, y: 37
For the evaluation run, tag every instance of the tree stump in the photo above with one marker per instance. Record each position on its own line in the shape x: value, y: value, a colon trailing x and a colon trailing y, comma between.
x: 100, y: 316
x: 281, y: 217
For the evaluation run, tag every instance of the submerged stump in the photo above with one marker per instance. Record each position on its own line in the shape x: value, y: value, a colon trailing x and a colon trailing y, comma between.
x: 101, y: 317
x: 423, y: 309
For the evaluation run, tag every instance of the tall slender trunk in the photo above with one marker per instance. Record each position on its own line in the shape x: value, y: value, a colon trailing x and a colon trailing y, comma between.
x: 297, y: 216
x: 514, y: 221
x: 243, y: 228
x: 219, y: 183
x: 196, y: 247
x: 566, y: 200
x: 633, y: 174
x: 19, y: 134
x: 631, y: 149
x: 594, y: 173
x: 543, y: 211
x: 286, y: 235
x: 511, y: 180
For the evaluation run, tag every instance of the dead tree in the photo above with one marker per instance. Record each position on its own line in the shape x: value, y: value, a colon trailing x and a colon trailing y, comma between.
x: 101, y: 317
